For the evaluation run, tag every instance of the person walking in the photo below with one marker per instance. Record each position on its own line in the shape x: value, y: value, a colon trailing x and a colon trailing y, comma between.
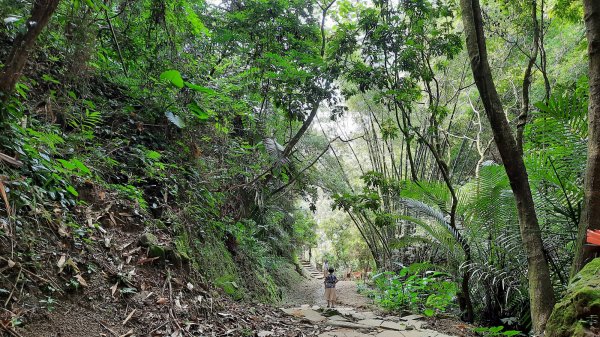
x: 330, y: 293
x: 325, y: 268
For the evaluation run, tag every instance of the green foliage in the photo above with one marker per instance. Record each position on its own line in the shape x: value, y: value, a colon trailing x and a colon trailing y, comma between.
x: 130, y: 192
x: 173, y: 77
x: 46, y: 176
x: 185, y: 108
x: 415, y: 288
x: 496, y: 331
x: 228, y: 284
x: 49, y: 303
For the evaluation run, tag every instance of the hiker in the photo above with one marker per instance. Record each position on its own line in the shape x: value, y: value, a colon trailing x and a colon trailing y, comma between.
x: 330, y: 295
x: 325, y: 268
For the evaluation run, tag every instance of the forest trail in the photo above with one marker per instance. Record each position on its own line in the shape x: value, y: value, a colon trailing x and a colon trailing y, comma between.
x: 355, y: 316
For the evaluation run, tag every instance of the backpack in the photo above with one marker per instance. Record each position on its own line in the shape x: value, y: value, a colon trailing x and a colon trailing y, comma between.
x: 330, y: 281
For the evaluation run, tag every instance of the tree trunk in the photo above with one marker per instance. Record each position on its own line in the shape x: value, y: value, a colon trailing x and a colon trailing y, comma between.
x: 590, y: 217
x: 40, y: 15
x: 541, y: 294
x: 527, y: 78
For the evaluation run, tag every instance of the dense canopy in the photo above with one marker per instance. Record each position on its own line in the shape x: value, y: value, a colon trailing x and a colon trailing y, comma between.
x: 445, y: 151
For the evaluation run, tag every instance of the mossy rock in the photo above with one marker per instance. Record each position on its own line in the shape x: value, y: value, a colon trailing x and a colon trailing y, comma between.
x: 148, y: 239
x: 166, y: 253
x: 158, y: 251
x: 579, y: 310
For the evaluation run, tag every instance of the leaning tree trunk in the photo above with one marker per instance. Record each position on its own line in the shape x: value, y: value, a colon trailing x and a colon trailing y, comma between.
x: 541, y: 294
x: 590, y: 217
x: 40, y: 15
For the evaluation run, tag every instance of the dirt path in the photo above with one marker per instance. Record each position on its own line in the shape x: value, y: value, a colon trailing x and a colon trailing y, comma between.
x: 356, y: 316
x: 312, y: 292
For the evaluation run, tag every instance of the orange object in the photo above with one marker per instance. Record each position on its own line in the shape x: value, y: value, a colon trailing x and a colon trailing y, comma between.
x: 593, y: 237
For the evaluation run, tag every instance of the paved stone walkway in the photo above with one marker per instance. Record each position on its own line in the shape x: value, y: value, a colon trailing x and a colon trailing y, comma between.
x: 349, y: 322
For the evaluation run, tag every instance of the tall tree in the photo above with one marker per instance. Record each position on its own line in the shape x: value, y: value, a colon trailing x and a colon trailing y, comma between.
x: 527, y: 77
x: 40, y: 15
x: 590, y: 217
x: 541, y: 295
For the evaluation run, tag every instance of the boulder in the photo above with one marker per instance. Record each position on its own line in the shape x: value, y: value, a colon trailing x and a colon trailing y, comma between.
x: 158, y: 251
x: 578, y: 312
x: 148, y: 239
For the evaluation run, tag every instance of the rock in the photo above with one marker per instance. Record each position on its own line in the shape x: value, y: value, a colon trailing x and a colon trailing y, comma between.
x: 423, y: 333
x: 350, y: 325
x: 391, y: 334
x: 343, y: 333
x: 166, y: 253
x: 338, y: 318
x: 313, y: 316
x: 309, y: 314
x: 362, y: 315
x: 157, y: 251
x: 410, y: 325
x: 411, y: 317
x: 371, y: 322
x: 392, y: 326
x: 148, y: 239
x: 573, y: 316
x: 265, y: 333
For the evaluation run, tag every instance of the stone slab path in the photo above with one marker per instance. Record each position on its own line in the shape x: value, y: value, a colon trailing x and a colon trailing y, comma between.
x: 311, y: 270
x: 349, y: 322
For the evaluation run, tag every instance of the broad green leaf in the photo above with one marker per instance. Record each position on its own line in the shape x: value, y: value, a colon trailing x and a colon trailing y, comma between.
x: 91, y: 4
x: 153, y: 155
x: 198, y: 111
x: 67, y: 164
x: 496, y: 328
x: 12, y: 19
x: 81, y: 166
x: 198, y: 26
x: 200, y: 88
x: 75, y: 164
x: 49, y: 78
x: 72, y: 190
x: 174, y: 77
x: 22, y: 89
x: 175, y: 119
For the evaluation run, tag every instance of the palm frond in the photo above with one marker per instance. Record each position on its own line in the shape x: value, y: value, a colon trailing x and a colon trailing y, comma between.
x: 436, y: 215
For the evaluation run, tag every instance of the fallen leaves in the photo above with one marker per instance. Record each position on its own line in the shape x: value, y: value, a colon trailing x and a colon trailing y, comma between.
x: 81, y: 280
x: 113, y: 289
x: 64, y: 262
x: 129, y: 316
x: 61, y: 263
x: 147, y: 260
